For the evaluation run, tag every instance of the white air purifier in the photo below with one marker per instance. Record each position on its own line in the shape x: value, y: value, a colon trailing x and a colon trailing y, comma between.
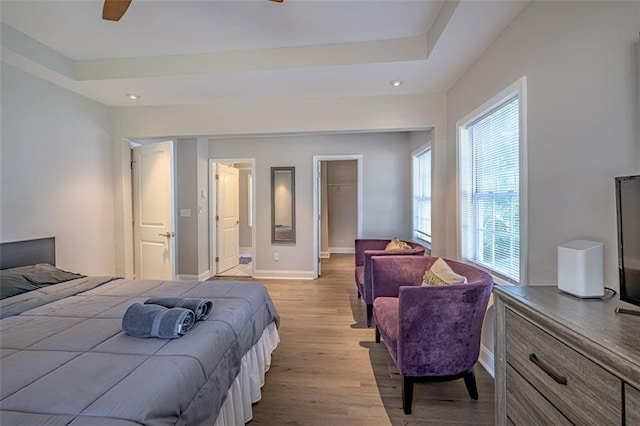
x: 581, y: 268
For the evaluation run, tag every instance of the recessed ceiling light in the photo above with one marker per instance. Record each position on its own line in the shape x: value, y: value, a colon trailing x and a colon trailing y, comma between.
x: 396, y: 83
x: 133, y: 96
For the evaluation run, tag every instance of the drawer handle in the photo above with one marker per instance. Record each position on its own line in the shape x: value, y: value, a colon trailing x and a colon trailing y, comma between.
x: 555, y: 376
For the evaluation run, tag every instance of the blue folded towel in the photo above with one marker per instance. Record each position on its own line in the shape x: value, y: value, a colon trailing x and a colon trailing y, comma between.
x: 157, y: 321
x: 200, y: 307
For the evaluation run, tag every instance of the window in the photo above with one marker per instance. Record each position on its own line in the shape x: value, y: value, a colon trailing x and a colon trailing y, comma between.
x: 491, y: 174
x: 422, y: 195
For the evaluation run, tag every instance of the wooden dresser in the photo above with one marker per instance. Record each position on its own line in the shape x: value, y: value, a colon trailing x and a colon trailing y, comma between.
x: 564, y: 360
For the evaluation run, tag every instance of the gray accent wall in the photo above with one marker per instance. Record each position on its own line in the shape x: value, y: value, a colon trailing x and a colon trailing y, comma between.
x: 192, y: 236
x: 386, y: 183
x: 418, y: 140
x: 204, y: 257
x: 186, y: 199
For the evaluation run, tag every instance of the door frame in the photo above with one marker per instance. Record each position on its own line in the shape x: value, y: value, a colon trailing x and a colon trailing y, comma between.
x: 316, y: 205
x: 213, y: 208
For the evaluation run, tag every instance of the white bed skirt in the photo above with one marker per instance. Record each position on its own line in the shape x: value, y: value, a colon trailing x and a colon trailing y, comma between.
x: 245, y: 390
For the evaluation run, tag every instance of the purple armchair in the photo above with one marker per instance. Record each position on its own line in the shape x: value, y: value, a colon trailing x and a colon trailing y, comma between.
x: 365, y: 249
x: 431, y: 332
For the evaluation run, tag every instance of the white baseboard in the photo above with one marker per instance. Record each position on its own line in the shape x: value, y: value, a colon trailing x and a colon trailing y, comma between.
x: 190, y: 277
x: 486, y: 360
x: 282, y: 274
x: 205, y: 275
x: 186, y: 277
x: 243, y: 250
x: 341, y: 250
x: 325, y: 254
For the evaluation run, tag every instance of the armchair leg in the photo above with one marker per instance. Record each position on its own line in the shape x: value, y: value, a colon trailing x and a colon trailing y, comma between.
x: 377, y: 334
x: 407, y: 394
x: 369, y: 314
x: 470, y: 383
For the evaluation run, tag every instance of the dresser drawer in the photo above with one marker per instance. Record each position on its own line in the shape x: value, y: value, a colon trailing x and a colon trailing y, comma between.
x: 525, y: 406
x: 631, y: 405
x: 580, y: 389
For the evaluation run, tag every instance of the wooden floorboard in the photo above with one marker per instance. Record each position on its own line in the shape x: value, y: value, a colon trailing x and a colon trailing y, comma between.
x: 328, y: 370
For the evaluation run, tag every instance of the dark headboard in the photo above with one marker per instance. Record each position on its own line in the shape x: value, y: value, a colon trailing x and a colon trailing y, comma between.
x: 28, y: 252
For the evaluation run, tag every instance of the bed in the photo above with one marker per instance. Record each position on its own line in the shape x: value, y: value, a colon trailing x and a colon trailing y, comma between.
x: 64, y: 358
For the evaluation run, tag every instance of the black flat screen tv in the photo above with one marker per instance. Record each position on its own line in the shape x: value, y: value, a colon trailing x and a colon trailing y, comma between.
x: 628, y: 214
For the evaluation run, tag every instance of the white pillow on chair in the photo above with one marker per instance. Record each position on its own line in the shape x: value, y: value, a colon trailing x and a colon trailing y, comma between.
x: 441, y: 274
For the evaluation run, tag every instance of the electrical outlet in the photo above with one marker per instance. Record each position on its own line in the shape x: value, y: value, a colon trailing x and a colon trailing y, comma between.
x: 276, y: 256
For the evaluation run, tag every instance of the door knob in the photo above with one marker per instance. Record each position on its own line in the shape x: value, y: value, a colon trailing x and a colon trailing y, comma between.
x: 166, y: 234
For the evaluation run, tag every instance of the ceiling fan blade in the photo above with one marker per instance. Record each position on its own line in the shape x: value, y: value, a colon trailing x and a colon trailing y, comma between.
x: 113, y: 10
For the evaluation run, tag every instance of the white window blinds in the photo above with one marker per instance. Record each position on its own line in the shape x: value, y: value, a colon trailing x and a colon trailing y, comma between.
x: 422, y: 195
x: 489, y: 190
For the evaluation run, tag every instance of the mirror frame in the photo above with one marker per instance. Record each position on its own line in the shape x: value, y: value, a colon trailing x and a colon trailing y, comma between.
x: 276, y: 239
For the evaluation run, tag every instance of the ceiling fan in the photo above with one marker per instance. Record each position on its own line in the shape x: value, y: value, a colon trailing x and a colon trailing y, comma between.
x: 113, y: 10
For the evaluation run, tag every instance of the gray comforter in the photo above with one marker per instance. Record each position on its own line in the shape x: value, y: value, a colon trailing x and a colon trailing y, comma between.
x: 69, y: 362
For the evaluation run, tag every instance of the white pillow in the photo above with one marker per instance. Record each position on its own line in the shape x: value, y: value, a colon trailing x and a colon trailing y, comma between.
x: 397, y: 244
x: 441, y: 274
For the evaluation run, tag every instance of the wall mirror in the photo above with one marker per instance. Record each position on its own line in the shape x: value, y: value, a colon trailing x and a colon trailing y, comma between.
x: 283, y: 205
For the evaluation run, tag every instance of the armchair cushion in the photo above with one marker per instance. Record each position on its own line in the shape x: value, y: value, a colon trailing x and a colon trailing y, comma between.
x: 386, y: 322
x: 440, y: 273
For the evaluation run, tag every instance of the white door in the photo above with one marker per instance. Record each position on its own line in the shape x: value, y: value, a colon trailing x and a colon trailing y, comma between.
x: 153, y: 211
x: 228, y: 217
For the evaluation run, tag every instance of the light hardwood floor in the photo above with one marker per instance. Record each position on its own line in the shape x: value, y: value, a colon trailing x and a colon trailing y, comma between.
x: 328, y: 370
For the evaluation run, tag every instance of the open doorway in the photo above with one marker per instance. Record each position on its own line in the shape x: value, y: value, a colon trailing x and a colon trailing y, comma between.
x: 337, y: 205
x: 232, y: 210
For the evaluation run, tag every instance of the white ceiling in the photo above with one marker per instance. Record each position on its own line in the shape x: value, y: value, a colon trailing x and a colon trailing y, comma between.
x: 189, y: 52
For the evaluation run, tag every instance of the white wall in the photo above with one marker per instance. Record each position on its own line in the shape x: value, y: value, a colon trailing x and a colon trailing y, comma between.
x: 55, y: 172
x: 259, y: 118
x: 277, y: 116
x: 386, y: 198
x: 579, y: 59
